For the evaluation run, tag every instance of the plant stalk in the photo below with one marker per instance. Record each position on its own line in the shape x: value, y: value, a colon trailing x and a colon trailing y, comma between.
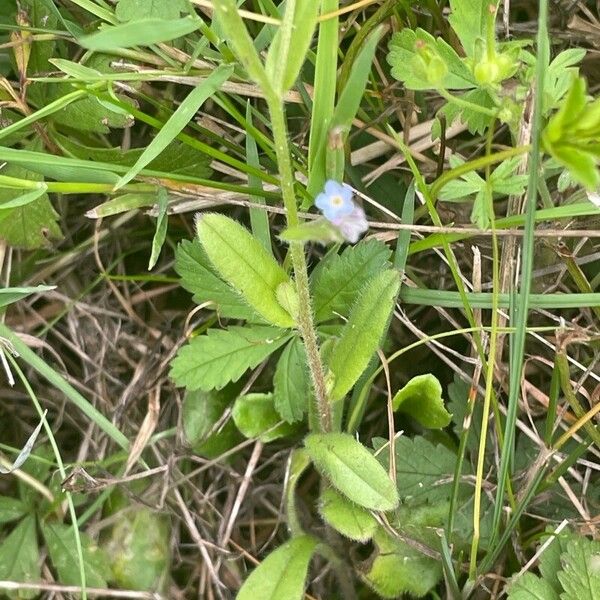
x: 305, y: 320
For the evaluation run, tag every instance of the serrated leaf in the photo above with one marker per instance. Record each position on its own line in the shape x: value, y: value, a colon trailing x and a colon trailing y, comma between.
x: 139, y: 549
x: 290, y: 44
x: 199, y: 277
x: 63, y: 554
x: 337, y: 280
x: 244, y: 263
x: 347, y: 518
x: 255, y: 416
x: 530, y: 587
x: 352, y: 470
x: 291, y: 382
x: 469, y: 20
x: 424, y: 472
x: 282, y: 575
x: 477, y: 122
x: 132, y: 10
x: 580, y: 575
x: 421, y: 398
x: 19, y: 557
x: 213, y: 360
x: 549, y: 562
x: 361, y: 336
x: 407, y: 65
x: 11, y: 509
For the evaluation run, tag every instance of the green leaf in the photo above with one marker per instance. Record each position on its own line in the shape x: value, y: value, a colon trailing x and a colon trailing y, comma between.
x: 31, y: 225
x: 581, y: 164
x: 13, y: 294
x: 199, y: 277
x: 530, y: 587
x: 469, y: 20
x: 244, y: 263
x: 346, y: 108
x: 352, y: 470
x: 178, y: 120
x: 282, y: 575
x: 22, y: 200
x: 580, y: 575
x: 63, y: 554
x: 255, y: 416
x: 361, y: 336
x: 409, y: 67
x: 177, y: 158
x: 399, y: 569
x: 477, y: 122
x: 143, y: 32
x: 291, y: 42
x: 347, y: 518
x: 19, y: 557
x: 160, y: 234
x: 550, y: 559
x: 139, y: 550
x: 213, y: 360
x: 202, y: 413
x: 11, y: 509
x: 424, y: 472
x: 291, y: 382
x: 134, y: 10
x: 337, y: 279
x: 421, y: 398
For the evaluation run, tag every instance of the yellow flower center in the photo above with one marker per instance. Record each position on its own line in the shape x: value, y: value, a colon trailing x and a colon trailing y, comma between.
x: 337, y: 200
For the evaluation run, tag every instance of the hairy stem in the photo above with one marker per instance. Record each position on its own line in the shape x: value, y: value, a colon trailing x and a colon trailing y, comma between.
x: 304, y: 317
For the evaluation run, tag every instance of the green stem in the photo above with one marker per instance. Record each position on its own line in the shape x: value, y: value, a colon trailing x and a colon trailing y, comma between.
x: 490, y: 112
x: 305, y: 316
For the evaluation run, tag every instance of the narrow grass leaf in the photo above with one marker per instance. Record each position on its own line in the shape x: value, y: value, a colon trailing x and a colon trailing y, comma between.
x: 259, y: 220
x: 352, y: 470
x: 178, y: 120
x: 12, y: 294
x: 24, y: 199
x: 26, y: 450
x: 282, y: 575
x: 361, y: 336
x: 160, y: 233
x: 244, y: 263
x: 143, y: 32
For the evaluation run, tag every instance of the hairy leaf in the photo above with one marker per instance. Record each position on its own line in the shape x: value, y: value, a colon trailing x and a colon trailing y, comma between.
x: 245, y: 264
x: 213, y: 360
x: 352, y: 470
x: 199, y: 277
x: 337, y: 280
x: 346, y: 517
x: 282, y: 575
x: 530, y: 587
x: 291, y: 382
x: 361, y: 336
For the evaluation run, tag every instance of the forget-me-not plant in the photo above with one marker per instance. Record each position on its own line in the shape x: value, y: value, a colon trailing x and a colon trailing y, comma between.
x: 337, y: 206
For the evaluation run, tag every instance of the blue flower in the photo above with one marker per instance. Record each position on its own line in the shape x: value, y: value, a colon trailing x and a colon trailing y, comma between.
x: 335, y: 201
x: 339, y: 209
